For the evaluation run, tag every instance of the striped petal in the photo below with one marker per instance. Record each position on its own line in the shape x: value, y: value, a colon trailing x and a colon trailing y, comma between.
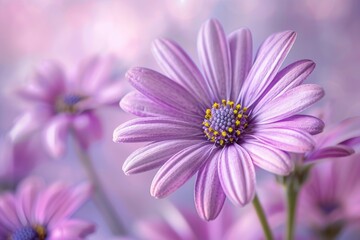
x: 266, y: 66
x: 240, y: 43
x: 299, y: 122
x: 214, y: 58
x: 292, y: 102
x: 175, y: 172
x: 286, y: 139
x: 155, y: 129
x: 153, y: 155
x: 139, y: 105
x: 163, y: 90
x: 237, y: 174
x: 288, y: 78
x: 209, y: 195
x: 179, y: 66
x: 269, y: 158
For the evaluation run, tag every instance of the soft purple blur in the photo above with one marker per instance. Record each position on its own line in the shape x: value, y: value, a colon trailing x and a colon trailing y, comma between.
x: 68, y: 31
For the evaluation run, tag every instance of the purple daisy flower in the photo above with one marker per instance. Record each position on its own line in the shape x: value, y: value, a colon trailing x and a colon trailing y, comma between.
x: 65, y: 102
x: 39, y: 212
x: 329, y: 200
x: 221, y: 123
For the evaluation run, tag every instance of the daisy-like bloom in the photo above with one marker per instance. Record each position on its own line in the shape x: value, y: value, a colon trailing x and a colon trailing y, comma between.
x: 329, y: 200
x: 37, y: 212
x: 221, y: 123
x: 62, y: 103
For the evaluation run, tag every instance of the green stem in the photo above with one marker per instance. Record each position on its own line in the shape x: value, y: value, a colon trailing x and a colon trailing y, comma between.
x: 262, y: 217
x: 292, y: 190
x: 100, y: 198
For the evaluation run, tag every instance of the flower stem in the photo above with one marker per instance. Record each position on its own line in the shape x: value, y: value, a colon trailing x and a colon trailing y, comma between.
x: 100, y: 198
x: 262, y: 217
x: 292, y: 191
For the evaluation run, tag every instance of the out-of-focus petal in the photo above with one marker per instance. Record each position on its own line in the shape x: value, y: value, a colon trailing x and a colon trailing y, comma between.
x: 154, y: 155
x: 240, y: 43
x: 237, y: 174
x: 161, y: 89
x: 175, y: 172
x: 76, y: 197
x: 94, y: 73
x: 55, y: 135
x: 179, y: 66
x: 209, y: 195
x: 30, y: 122
x: 72, y: 230
x: 8, y: 212
x: 111, y: 93
x: 51, y: 78
x: 266, y: 65
x: 155, y: 129
x: 27, y: 195
x: 329, y: 152
x: 87, y: 128
x: 214, y: 58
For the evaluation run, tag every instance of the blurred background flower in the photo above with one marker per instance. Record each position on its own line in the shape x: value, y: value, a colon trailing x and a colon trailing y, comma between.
x: 67, y: 31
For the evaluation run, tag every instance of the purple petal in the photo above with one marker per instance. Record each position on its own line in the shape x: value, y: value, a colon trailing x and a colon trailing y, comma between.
x: 343, y: 131
x: 179, y: 66
x: 288, y: 78
x: 266, y: 65
x: 33, y: 92
x: 163, y: 90
x: 306, y: 123
x: 154, y: 155
x: 351, y: 142
x: 214, y: 58
x: 8, y: 214
x: 293, y: 101
x: 240, y: 43
x: 27, y: 194
x: 139, y: 105
x: 155, y: 129
x: 286, y: 139
x: 330, y: 152
x: 29, y: 122
x: 237, y: 174
x: 87, y: 128
x: 50, y: 77
x: 209, y: 195
x: 55, y: 135
x: 269, y: 158
x: 94, y: 73
x: 71, y: 203
x: 111, y: 93
x: 175, y: 172
x: 50, y: 201
x: 72, y: 230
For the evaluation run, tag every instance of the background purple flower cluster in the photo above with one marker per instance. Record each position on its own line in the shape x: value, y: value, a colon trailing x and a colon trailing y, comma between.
x: 56, y: 55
